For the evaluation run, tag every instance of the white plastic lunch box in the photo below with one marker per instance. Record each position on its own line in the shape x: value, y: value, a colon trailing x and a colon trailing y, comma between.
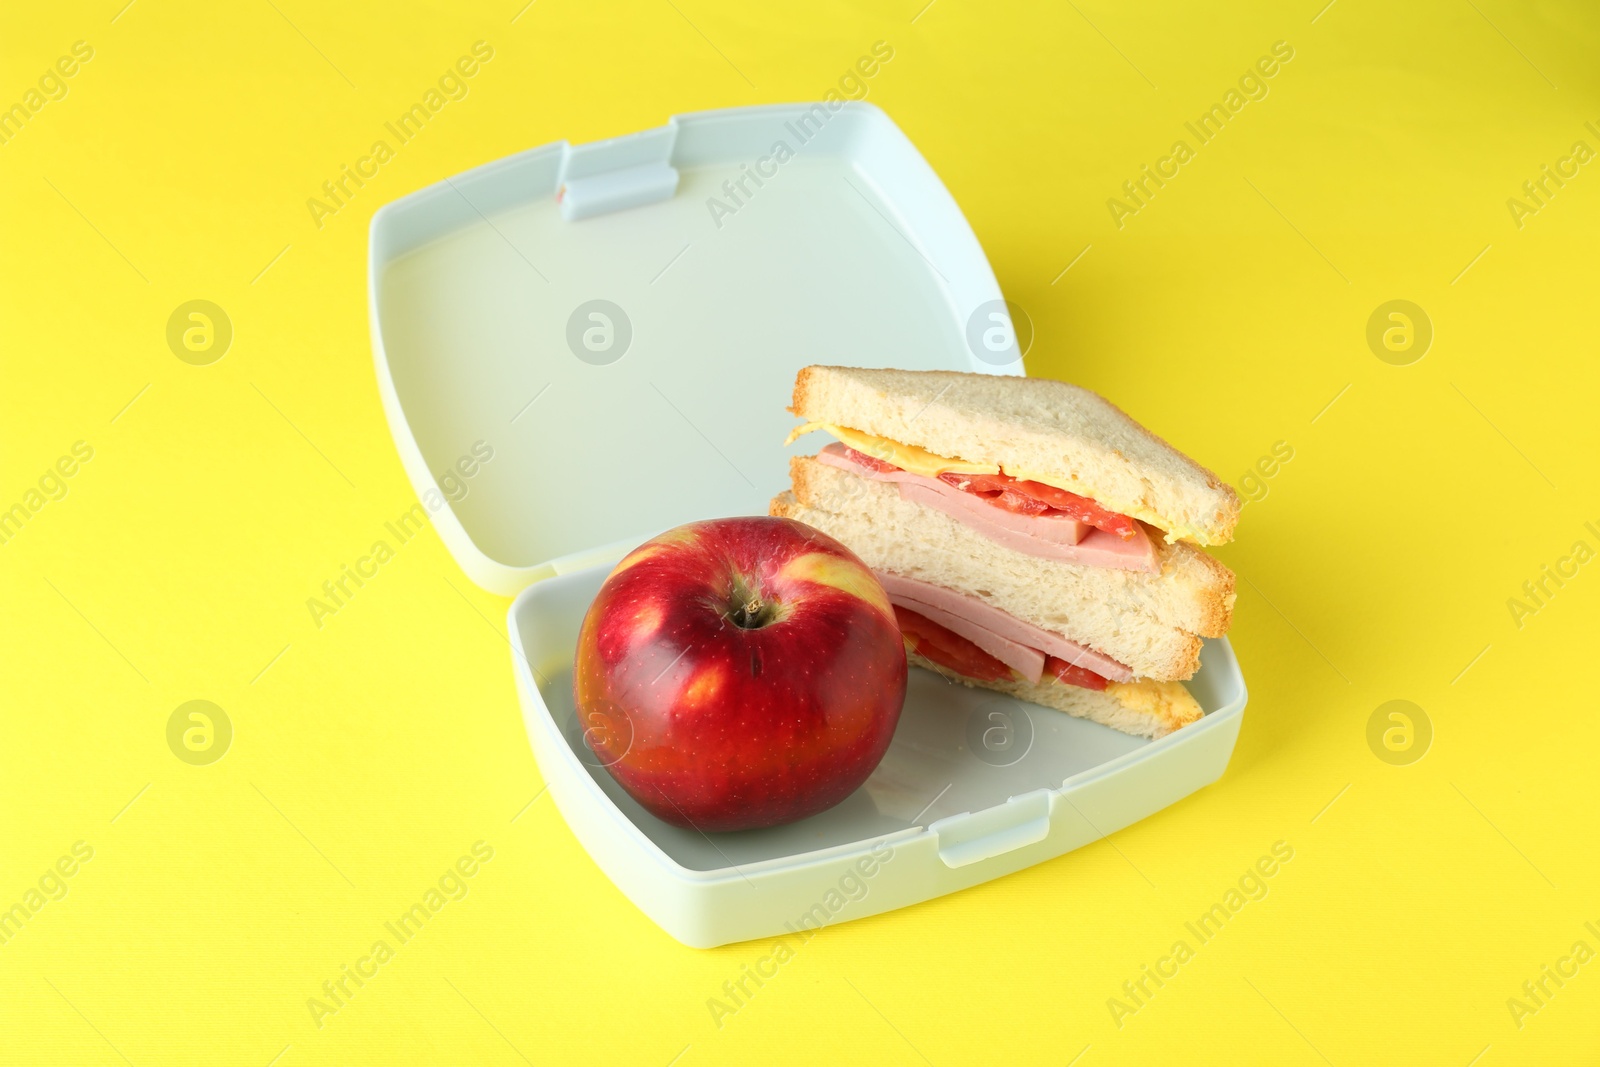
x: 580, y: 346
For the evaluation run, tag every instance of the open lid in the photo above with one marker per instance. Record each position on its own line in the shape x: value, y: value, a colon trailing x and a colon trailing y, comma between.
x: 578, y: 347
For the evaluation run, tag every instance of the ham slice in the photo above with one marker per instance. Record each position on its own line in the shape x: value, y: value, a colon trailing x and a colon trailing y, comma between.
x: 1061, y: 539
x: 1028, y: 662
x: 1019, y: 645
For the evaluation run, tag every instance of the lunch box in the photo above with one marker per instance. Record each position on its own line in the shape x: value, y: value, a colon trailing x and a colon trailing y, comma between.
x: 582, y: 345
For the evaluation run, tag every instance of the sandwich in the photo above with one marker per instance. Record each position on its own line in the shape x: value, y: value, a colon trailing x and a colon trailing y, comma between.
x: 1033, y: 539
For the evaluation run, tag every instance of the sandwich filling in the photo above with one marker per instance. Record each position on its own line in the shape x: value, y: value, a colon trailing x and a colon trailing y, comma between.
x: 966, y: 635
x: 917, y: 460
x: 1029, y: 517
x: 934, y: 643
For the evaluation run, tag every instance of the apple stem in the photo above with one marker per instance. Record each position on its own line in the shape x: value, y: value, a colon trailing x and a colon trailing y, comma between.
x: 747, y: 608
x: 748, y: 615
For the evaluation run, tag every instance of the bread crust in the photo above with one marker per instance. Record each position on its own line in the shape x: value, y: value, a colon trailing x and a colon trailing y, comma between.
x: 1220, y: 595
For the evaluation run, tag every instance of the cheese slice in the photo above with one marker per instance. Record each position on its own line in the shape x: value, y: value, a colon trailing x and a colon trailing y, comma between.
x: 906, y: 457
x: 931, y: 465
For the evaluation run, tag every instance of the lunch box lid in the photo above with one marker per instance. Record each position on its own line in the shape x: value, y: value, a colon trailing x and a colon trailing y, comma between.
x: 581, y: 345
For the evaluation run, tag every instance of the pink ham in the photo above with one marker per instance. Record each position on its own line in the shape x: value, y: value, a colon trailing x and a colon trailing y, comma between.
x: 1019, y: 645
x: 1044, y: 536
x: 1028, y: 662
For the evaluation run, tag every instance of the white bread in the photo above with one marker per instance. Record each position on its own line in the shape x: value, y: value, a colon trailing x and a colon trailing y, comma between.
x: 1144, y: 709
x: 1036, y: 427
x: 1150, y: 622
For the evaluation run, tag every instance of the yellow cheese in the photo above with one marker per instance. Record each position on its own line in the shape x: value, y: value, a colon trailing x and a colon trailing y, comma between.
x: 906, y: 457
x: 931, y: 464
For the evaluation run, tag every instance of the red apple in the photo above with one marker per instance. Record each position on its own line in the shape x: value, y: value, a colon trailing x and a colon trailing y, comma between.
x: 739, y: 673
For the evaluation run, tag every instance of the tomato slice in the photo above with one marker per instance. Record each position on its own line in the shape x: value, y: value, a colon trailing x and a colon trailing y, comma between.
x: 1022, y: 497
x: 1036, y: 498
x: 931, y: 641
x: 1072, y: 674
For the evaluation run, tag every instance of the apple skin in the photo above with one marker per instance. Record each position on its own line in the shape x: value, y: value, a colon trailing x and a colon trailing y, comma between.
x: 740, y: 673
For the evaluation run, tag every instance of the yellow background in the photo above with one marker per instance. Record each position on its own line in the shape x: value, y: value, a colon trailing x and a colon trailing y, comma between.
x: 1227, y: 314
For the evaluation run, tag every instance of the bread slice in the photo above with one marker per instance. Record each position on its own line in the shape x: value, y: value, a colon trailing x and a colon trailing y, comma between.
x: 1150, y: 622
x: 1148, y: 648
x: 1144, y: 709
x: 1033, y: 428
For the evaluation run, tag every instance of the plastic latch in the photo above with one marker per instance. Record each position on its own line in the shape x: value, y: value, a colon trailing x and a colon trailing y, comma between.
x: 620, y: 173
x: 617, y: 190
x: 979, y: 835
